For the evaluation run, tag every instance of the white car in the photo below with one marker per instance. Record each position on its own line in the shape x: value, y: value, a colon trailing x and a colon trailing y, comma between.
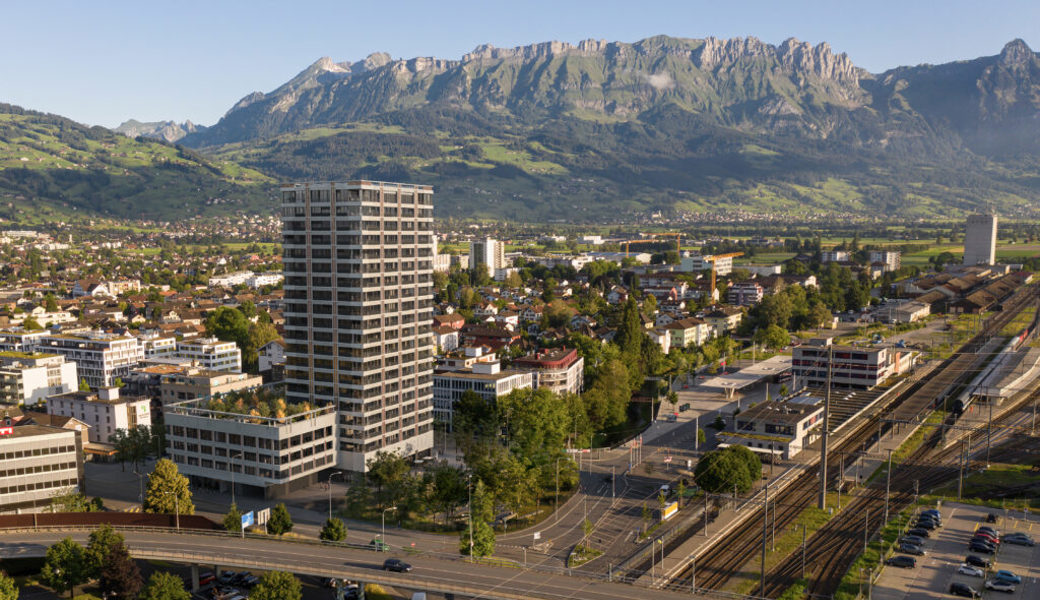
x: 969, y: 570
x: 1000, y: 586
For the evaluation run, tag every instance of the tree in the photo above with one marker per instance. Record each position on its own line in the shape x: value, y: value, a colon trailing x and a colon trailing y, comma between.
x: 99, y: 546
x: 280, y: 521
x: 386, y: 470
x: 76, y: 502
x: 630, y: 332
x: 680, y: 489
x: 475, y: 420
x: 83, y: 385
x: 481, y: 516
x: 277, y: 585
x: 31, y: 324
x: 233, y: 519
x: 132, y: 445
x: 8, y: 589
x: 773, y: 337
x: 50, y: 303
x: 65, y: 566
x: 334, y: 530
x: 119, y: 577
x: 722, y: 470
x: 164, y: 484
x: 165, y: 586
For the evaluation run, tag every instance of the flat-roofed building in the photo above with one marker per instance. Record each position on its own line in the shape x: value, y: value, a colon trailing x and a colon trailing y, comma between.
x: 29, y: 377
x: 104, y: 411
x: 19, y: 340
x: 980, y: 240
x: 39, y: 463
x: 203, y: 383
x: 488, y: 380
x: 211, y: 353
x: 853, y: 366
x: 100, y: 357
x: 268, y: 455
x: 560, y: 369
x: 778, y: 428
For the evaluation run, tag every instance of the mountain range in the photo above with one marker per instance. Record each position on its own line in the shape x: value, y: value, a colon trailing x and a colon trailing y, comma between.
x: 606, y: 130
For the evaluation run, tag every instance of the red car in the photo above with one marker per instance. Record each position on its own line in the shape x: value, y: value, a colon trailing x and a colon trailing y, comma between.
x: 990, y: 538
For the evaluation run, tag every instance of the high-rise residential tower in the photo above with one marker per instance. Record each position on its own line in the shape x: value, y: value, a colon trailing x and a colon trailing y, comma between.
x: 487, y: 252
x: 980, y: 240
x: 358, y: 259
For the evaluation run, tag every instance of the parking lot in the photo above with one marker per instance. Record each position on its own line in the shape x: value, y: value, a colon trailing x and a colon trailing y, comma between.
x: 946, y: 549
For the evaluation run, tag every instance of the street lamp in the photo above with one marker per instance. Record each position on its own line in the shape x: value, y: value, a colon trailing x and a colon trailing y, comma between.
x: 469, y: 492
x: 556, y: 503
x: 176, y: 508
x: 231, y: 467
x: 331, y: 475
x: 382, y: 536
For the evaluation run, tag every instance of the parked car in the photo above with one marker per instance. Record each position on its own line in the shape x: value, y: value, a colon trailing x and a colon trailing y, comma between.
x: 932, y: 511
x: 902, y: 561
x: 1019, y: 539
x: 1000, y: 586
x: 926, y: 524
x: 912, y: 539
x: 981, y: 548
x: 989, y: 530
x: 985, y: 542
x: 396, y: 564
x: 976, y: 561
x: 920, y: 532
x: 991, y: 518
x: 963, y: 590
x: 988, y: 536
x: 1008, y: 576
x: 970, y: 571
x: 911, y: 549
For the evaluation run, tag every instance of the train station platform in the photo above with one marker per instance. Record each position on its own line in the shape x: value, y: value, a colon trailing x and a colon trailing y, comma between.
x: 1015, y: 372
x: 767, y: 370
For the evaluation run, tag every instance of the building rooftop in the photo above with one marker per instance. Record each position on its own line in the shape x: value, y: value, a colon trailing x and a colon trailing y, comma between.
x: 775, y: 411
x: 24, y: 431
x: 27, y: 355
x: 469, y: 374
x: 548, y: 359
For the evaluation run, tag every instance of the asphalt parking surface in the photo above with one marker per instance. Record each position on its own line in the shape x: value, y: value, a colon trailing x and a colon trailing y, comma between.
x: 948, y: 546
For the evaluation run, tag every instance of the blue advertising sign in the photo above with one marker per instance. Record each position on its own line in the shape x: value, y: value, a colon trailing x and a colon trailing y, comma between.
x: 247, y: 519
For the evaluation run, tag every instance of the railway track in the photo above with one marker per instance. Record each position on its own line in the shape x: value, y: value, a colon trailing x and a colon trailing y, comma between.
x: 716, y: 567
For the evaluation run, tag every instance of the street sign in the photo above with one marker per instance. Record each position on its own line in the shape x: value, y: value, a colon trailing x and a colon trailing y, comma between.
x: 263, y: 516
x: 537, y: 535
x: 6, y: 430
x: 668, y: 460
x: 247, y: 520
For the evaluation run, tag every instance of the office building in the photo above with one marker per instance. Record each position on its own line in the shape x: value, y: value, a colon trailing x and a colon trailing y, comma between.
x: 855, y: 367
x: 487, y: 252
x: 358, y: 306
x: 104, y: 411
x: 487, y: 379
x: 31, y: 377
x: 696, y: 262
x: 560, y: 370
x: 778, y: 428
x: 211, y: 353
x: 980, y: 240
x: 100, y: 357
x: 39, y: 463
x: 272, y: 455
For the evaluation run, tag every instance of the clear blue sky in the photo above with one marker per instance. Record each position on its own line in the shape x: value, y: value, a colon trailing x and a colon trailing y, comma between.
x: 103, y: 62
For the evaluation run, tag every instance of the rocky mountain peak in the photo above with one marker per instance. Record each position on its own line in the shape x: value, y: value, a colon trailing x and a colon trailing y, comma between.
x: 1016, y: 52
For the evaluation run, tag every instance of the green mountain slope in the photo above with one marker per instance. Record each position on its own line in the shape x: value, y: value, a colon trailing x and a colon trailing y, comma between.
x: 51, y: 160
x: 601, y: 130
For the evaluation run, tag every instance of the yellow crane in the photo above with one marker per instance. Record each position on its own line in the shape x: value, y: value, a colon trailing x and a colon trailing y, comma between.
x: 714, y: 257
x: 629, y: 242
x: 677, y: 236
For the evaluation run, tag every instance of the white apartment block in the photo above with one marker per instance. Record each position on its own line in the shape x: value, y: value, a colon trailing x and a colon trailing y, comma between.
x: 560, y: 370
x: 100, y: 357
x: 230, y: 279
x: 696, y: 262
x: 103, y: 411
x: 358, y: 307
x: 211, y: 353
x: 890, y: 260
x: 30, y: 378
x: 158, y: 346
x: 275, y: 455
x: 19, y: 340
x: 980, y: 240
x: 834, y: 256
x: 487, y: 252
x: 39, y: 462
x: 486, y: 379
x: 261, y: 279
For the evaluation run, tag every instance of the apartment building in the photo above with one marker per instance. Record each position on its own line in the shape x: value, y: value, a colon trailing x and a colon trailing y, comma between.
x: 358, y: 306
x: 100, y: 357
x: 211, y: 353
x: 104, y: 411
x: 31, y: 377
x: 697, y: 262
x: 560, y: 370
x: 486, y: 379
x: 158, y: 346
x: 744, y: 293
x: 20, y: 340
x: 39, y: 463
x: 890, y: 260
x: 489, y: 252
x: 268, y: 455
x: 856, y: 367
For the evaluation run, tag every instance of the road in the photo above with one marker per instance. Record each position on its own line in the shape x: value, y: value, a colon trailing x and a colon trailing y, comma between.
x: 431, y: 573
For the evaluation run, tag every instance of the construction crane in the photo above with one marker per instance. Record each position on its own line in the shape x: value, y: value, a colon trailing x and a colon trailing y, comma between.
x: 677, y: 236
x: 712, y: 258
x: 629, y: 242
